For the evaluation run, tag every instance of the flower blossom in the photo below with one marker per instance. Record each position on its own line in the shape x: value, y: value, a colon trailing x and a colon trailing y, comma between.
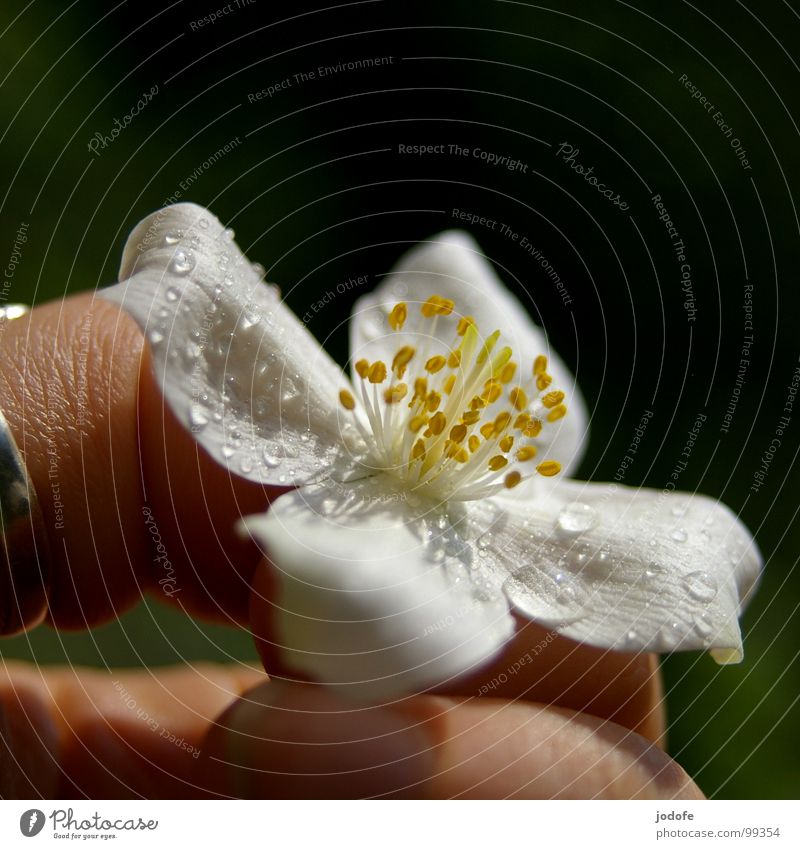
x: 426, y: 498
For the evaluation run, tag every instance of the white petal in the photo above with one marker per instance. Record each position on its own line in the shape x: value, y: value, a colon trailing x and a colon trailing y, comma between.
x: 373, y: 594
x: 235, y: 364
x: 622, y: 568
x: 452, y: 265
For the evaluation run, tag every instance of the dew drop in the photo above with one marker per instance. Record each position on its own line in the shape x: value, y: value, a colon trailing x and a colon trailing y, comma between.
x: 156, y: 337
x: 576, y: 518
x: 182, y: 263
x: 171, y: 239
x: 246, y: 464
x: 703, y: 626
x: 679, y: 535
x: 197, y: 417
x: 203, y: 222
x: 228, y: 234
x: 679, y: 511
x: 227, y: 451
x: 701, y: 586
x: 259, y: 269
x: 173, y: 293
x: 632, y: 638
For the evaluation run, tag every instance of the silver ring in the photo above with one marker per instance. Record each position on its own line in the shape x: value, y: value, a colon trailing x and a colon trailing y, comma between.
x: 23, y: 563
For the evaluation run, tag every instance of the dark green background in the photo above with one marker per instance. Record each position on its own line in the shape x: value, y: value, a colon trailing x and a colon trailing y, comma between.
x: 318, y: 193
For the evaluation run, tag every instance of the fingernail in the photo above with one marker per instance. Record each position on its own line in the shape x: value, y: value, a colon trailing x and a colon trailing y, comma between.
x: 302, y: 741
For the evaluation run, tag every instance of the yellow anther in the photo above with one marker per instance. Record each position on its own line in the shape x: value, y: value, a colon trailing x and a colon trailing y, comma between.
x: 506, y: 443
x: 518, y: 398
x: 436, y: 305
x: 435, y: 364
x: 474, y: 443
x: 458, y: 433
x: 449, y: 384
x: 522, y: 420
x: 549, y: 468
x: 395, y: 394
x: 420, y: 389
x: 462, y: 456
x: 487, y: 348
x: 512, y: 479
x: 477, y: 403
x: 362, y: 369
x: 398, y: 316
x: 527, y: 452
x: 437, y: 424
x: 418, y: 450
x: 417, y: 423
x: 401, y: 359
x: 502, y: 421
x: 507, y: 372
x: 454, y: 358
x: 471, y: 417
x: 552, y: 399
x: 433, y: 401
x: 464, y: 323
x: 557, y: 413
x: 500, y: 362
x: 540, y: 365
x: 347, y: 400
x: 532, y: 429
x: 377, y: 372
x: 491, y: 393
x: 497, y: 462
x: 543, y: 381
x: 487, y: 430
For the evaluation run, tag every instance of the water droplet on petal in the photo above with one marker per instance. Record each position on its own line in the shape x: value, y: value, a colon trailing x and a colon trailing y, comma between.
x: 227, y: 451
x: 182, y: 263
x: 156, y: 337
x: 246, y: 464
x: 228, y: 234
x: 679, y: 535
x: 701, y: 586
x: 203, y: 222
x: 171, y: 239
x: 576, y: 518
x: 173, y: 293
x: 259, y: 269
x: 679, y: 510
x: 631, y: 638
x: 197, y: 417
x: 704, y: 626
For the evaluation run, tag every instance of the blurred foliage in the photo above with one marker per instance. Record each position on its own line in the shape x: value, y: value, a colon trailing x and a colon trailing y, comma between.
x: 318, y: 193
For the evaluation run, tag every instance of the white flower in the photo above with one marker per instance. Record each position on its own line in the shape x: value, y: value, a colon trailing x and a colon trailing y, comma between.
x: 416, y: 521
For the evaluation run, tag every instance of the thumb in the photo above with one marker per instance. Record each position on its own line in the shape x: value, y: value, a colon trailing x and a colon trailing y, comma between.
x: 300, y: 741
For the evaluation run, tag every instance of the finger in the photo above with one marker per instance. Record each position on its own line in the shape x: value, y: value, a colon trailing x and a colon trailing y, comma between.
x: 101, y: 451
x: 298, y: 740
x: 536, y: 665
x: 71, y: 732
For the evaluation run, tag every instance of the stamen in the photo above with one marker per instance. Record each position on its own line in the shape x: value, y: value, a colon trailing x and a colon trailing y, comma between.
x: 508, y: 372
x: 377, y: 372
x: 474, y: 443
x: 506, y: 443
x: 549, y: 468
x: 497, y: 462
x: 518, y: 398
x: 362, y: 368
x: 552, y: 399
x: 437, y: 424
x: 395, y: 394
x: 435, y: 364
x: 401, y: 360
x: 464, y: 323
x: 346, y: 400
x: 512, y: 479
x: 458, y: 433
x: 543, y: 381
x: 539, y: 365
x: 488, y: 345
x: 449, y: 384
x: 527, y: 452
x: 557, y: 413
x: 398, y: 316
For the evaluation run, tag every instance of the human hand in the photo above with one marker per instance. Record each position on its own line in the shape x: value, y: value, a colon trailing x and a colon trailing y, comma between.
x: 77, y: 390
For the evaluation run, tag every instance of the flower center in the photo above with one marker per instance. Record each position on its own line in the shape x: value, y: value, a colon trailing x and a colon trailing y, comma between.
x: 459, y: 423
